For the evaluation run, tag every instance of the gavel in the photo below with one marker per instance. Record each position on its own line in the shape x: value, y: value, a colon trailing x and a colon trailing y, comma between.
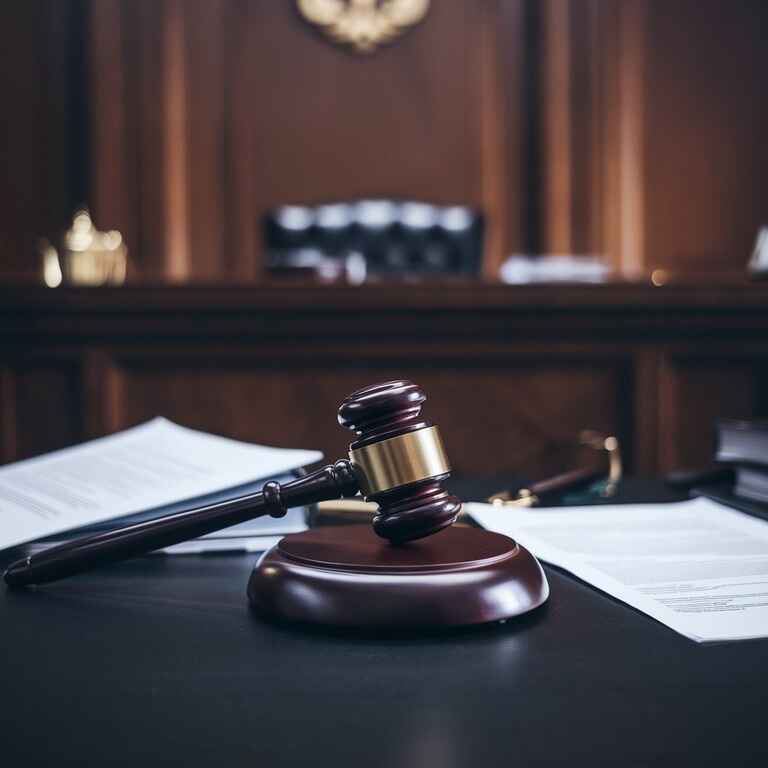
x: 397, y: 461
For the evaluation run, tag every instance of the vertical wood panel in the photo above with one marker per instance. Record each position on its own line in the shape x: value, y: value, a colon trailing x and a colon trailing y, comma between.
x: 592, y: 83
x: 530, y: 415
x: 558, y: 128
x: 47, y: 412
x: 177, y: 243
x: 128, y: 119
x: 630, y: 247
x: 394, y: 123
x: 500, y: 369
x: 243, y: 245
x: 697, y: 391
x: 111, y: 121
x: 204, y: 113
x: 511, y: 79
x: 209, y: 112
x: 101, y: 395
x: 38, y: 119
x: 8, y: 438
x: 707, y: 119
x: 492, y: 112
x: 647, y: 430
x: 208, y: 93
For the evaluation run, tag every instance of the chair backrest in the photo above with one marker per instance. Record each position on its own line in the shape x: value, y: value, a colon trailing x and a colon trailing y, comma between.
x: 382, y: 237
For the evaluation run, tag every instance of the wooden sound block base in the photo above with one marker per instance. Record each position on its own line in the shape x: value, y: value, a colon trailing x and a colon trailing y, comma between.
x: 346, y: 576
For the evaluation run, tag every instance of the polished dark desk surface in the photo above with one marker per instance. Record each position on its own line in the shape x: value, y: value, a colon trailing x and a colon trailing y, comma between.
x: 158, y: 662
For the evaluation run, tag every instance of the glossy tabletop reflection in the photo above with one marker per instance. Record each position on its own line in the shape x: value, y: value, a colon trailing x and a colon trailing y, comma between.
x: 159, y: 661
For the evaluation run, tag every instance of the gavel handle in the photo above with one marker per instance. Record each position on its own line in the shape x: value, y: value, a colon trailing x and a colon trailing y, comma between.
x: 334, y: 481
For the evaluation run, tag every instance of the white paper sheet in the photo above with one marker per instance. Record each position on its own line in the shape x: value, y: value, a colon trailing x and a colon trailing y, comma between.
x: 149, y: 466
x: 698, y: 567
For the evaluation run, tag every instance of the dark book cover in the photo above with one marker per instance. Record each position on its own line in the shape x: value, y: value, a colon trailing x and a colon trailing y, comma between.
x: 742, y: 442
x: 723, y: 493
x: 752, y: 483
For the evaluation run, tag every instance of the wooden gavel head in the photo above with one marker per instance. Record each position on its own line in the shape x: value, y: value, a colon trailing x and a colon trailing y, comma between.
x: 399, y: 461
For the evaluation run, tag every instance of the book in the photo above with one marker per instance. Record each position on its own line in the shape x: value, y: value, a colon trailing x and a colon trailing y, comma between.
x: 742, y: 442
x: 148, y: 471
x: 751, y: 483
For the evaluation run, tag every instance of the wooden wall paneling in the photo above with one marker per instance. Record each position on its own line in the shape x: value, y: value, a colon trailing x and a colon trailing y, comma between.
x: 47, y: 402
x: 646, y: 429
x: 587, y: 98
x: 527, y: 420
x: 145, y: 24
x: 8, y: 440
x: 606, y: 137
x: 206, y: 113
x: 224, y: 109
x: 592, y: 99
x: 421, y: 118
x: 501, y: 48
x: 557, y: 125
x: 176, y: 178
x: 209, y: 149
x: 113, y: 179
x: 101, y: 393
x: 628, y: 229
x: 394, y: 123
x: 35, y: 130
x: 652, y: 125
x: 653, y: 118
x: 705, y: 127
x: 700, y: 385
x: 172, y: 113
x: 572, y: 55
x: 129, y: 113
x: 243, y: 244
x: 517, y: 68
x: 531, y: 413
x: 245, y: 360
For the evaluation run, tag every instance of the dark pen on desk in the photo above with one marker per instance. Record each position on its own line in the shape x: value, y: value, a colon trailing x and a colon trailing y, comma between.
x: 544, y: 490
x: 533, y: 494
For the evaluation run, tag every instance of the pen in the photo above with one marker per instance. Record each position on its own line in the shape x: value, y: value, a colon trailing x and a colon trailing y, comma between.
x: 532, y: 494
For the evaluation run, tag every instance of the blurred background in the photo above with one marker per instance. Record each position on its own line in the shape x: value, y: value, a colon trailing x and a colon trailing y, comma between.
x: 541, y: 210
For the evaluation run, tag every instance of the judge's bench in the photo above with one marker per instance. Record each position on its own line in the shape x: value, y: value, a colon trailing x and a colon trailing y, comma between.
x: 513, y: 372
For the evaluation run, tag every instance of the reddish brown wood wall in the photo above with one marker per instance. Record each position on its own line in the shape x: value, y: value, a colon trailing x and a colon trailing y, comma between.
x: 706, y: 123
x: 512, y: 375
x: 634, y: 129
x: 254, y: 108
x: 35, y: 41
x: 648, y: 120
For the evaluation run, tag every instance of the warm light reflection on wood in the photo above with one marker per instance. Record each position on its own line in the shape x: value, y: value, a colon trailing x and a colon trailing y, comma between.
x: 176, y: 233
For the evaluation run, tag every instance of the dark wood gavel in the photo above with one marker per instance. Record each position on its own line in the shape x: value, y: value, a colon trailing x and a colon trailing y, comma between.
x: 397, y: 461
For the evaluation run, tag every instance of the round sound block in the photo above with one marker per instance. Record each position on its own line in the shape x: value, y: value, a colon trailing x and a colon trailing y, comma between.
x: 347, y: 576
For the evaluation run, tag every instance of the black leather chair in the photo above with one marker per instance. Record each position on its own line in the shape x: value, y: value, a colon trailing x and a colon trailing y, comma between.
x: 367, y: 239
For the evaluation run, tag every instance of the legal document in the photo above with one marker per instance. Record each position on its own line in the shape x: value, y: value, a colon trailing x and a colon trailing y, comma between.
x: 697, y: 566
x: 154, y: 465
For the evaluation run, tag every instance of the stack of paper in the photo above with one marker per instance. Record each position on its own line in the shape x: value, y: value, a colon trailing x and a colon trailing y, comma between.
x: 154, y: 469
x: 697, y: 566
